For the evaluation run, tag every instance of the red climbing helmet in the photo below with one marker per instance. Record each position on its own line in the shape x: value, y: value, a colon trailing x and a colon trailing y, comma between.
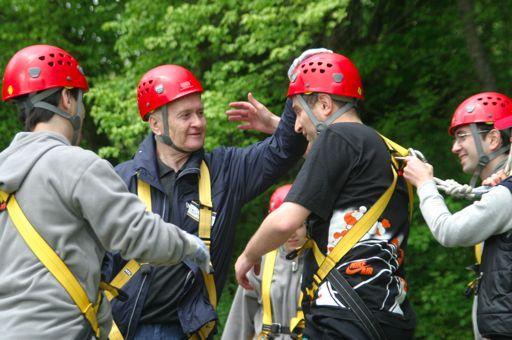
x: 485, y: 107
x: 40, y: 67
x: 330, y: 73
x: 278, y: 197
x: 162, y: 85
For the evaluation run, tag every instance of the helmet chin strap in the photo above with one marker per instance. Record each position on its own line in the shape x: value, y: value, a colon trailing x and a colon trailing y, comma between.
x: 321, y: 126
x: 165, y: 138
x: 483, y: 158
x: 36, y: 100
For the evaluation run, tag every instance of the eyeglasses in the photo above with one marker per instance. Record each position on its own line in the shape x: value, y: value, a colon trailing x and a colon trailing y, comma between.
x: 460, y: 136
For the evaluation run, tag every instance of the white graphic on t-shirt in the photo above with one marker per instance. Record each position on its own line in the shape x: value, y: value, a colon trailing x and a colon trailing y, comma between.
x: 378, y: 241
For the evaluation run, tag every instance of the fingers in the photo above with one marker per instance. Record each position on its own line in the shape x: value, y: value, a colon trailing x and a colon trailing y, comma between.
x: 241, y: 278
x: 253, y: 101
x: 245, y: 127
x: 494, y: 179
x: 241, y: 106
x: 236, y: 118
x: 257, y: 268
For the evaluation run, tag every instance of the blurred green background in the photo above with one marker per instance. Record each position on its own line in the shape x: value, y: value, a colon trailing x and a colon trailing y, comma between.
x: 418, y: 60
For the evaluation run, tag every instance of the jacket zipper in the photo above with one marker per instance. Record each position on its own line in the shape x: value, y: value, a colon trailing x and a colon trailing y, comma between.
x: 135, y: 304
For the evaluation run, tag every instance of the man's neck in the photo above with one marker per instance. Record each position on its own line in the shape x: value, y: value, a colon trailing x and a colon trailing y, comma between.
x: 173, y: 158
x: 55, y: 125
x: 348, y: 117
x: 492, y: 166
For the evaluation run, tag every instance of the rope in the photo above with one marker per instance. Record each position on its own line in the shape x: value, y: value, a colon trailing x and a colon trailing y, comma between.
x: 452, y: 187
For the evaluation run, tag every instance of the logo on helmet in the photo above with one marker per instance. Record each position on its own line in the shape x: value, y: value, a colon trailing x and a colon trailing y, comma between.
x: 185, y: 85
x: 10, y: 90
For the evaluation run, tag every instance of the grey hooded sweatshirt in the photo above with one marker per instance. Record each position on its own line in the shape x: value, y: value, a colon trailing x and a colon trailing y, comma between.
x: 245, y: 320
x: 80, y: 206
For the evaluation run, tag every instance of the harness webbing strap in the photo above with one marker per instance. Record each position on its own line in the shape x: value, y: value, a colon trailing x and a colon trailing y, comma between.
x: 52, y: 261
x: 298, y: 322
x: 144, y: 193
x: 266, y: 282
x: 326, y: 263
x: 478, y: 252
x: 356, y: 232
x: 353, y: 301
x: 132, y: 267
x: 204, y: 232
x: 205, y: 226
x: 125, y: 275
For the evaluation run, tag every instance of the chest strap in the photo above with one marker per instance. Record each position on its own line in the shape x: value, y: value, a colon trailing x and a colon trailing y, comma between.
x: 326, y: 263
x: 204, y: 232
x: 269, y: 328
x: 52, y: 261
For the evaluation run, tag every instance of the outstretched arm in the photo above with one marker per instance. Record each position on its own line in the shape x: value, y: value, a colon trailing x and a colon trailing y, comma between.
x: 255, y: 115
x: 274, y: 231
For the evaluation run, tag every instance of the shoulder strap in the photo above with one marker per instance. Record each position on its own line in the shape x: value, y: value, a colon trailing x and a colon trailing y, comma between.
x: 398, y: 150
x: 52, y: 261
x: 205, y: 225
x: 144, y: 193
x: 266, y: 282
x: 204, y: 232
x: 355, y: 233
x: 132, y: 267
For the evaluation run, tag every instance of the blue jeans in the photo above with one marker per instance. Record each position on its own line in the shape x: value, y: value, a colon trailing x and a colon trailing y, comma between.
x: 159, y: 332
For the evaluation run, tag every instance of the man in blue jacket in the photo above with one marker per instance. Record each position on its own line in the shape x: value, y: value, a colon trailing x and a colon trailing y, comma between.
x: 172, y: 302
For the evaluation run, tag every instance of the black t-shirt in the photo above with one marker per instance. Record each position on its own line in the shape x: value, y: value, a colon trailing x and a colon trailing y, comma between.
x: 161, y: 305
x: 345, y: 173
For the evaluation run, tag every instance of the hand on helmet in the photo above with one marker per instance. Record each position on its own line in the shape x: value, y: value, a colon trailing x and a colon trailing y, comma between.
x: 255, y: 115
x: 304, y: 55
x: 201, y: 257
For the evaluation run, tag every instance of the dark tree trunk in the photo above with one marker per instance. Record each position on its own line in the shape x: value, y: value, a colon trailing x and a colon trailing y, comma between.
x: 475, y: 47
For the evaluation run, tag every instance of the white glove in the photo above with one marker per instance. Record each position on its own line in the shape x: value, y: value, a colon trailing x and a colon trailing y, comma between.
x: 201, y: 257
x: 304, y: 55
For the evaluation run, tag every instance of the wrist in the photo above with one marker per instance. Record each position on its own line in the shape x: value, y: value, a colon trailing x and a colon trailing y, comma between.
x: 250, y: 257
x: 273, y: 124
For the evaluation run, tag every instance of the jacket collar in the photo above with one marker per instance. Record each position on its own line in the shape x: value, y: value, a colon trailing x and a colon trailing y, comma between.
x: 145, y: 162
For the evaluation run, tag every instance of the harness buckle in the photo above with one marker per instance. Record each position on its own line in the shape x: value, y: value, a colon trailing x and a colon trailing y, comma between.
x: 293, y: 254
x: 276, y: 329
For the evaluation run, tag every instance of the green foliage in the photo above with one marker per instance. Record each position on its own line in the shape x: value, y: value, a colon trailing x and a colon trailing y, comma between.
x: 413, y: 57
x: 74, y: 25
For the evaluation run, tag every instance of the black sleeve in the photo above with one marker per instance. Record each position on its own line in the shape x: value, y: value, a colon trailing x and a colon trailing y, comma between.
x: 323, y: 174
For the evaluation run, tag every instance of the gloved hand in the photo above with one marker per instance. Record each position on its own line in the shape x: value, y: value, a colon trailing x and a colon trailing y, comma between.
x: 201, y: 257
x: 304, y: 55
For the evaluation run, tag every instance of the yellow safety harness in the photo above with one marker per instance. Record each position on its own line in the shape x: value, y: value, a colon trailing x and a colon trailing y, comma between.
x: 269, y: 328
x: 326, y: 263
x: 55, y: 265
x: 478, y: 252
x: 205, y: 223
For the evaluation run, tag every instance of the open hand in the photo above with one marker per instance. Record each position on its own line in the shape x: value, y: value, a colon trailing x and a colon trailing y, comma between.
x: 255, y: 115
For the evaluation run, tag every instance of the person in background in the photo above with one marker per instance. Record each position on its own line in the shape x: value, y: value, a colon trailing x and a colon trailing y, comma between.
x: 250, y: 308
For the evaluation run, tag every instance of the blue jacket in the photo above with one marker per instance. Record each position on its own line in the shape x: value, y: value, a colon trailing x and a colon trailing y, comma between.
x: 237, y: 176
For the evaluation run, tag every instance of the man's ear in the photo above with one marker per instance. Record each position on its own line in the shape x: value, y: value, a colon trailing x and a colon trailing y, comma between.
x: 155, y: 123
x: 325, y: 104
x: 65, y: 99
x: 494, y: 139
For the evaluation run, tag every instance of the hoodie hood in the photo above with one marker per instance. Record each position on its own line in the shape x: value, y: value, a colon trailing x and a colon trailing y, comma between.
x: 24, y: 151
